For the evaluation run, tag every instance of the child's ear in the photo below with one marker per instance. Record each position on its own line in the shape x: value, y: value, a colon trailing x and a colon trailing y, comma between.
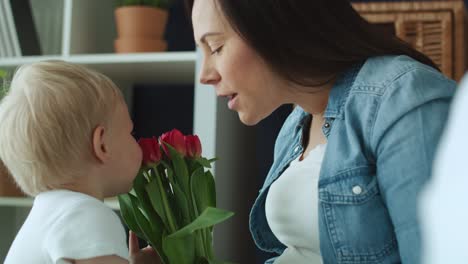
x: 100, y: 149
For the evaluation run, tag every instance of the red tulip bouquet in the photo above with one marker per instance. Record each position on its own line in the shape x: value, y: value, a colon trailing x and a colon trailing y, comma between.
x: 173, y: 201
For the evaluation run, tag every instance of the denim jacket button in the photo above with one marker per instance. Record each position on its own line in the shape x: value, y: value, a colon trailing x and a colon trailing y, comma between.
x: 297, y: 149
x: 326, y: 125
x: 357, y: 189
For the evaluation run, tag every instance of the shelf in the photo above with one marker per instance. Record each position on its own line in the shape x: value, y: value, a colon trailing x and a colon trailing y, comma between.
x: 158, y: 67
x: 27, y: 202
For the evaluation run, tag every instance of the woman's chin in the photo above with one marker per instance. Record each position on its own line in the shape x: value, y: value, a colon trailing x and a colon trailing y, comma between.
x: 248, y: 120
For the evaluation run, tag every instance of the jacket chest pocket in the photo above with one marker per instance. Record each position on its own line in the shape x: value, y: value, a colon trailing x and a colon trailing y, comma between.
x: 358, y: 223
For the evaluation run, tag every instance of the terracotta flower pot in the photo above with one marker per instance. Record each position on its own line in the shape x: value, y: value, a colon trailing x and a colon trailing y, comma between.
x: 140, y: 29
x: 130, y: 45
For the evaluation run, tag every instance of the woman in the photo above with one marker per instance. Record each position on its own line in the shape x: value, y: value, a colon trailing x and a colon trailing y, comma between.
x: 351, y: 159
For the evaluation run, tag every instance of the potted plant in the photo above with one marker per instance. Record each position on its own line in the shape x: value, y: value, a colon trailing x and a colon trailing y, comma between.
x: 2, y: 89
x: 141, y: 25
x: 7, y: 185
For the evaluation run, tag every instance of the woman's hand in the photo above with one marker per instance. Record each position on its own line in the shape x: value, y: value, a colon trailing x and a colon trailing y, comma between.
x: 141, y: 256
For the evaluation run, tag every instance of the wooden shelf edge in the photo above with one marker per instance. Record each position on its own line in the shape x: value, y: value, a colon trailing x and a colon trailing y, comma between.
x: 27, y: 202
x: 111, y: 58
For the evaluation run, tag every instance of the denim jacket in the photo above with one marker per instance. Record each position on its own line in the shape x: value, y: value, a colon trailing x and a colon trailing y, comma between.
x: 383, y: 122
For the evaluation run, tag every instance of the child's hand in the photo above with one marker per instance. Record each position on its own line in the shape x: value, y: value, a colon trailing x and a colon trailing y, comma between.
x: 141, y: 256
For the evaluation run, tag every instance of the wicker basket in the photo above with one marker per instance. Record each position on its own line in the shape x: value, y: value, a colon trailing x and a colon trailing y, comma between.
x: 436, y: 28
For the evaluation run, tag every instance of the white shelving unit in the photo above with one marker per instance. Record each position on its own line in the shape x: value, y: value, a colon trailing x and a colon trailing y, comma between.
x: 163, y: 67
x: 27, y: 202
x: 88, y: 33
x: 87, y: 38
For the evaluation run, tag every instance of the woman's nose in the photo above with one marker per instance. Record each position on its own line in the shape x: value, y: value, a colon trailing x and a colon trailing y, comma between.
x: 208, y: 74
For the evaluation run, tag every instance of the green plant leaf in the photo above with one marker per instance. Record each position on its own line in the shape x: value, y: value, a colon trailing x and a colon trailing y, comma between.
x: 208, y: 236
x: 170, y: 172
x: 154, y: 240
x: 159, y: 201
x: 203, y: 189
x: 203, y: 196
x: 182, y: 205
x: 210, y: 217
x: 180, y: 250
x: 3, y: 85
x: 192, y: 164
x: 203, y: 260
x: 211, y: 187
x: 180, y: 169
x: 126, y: 210
x: 205, y: 162
x: 155, y: 221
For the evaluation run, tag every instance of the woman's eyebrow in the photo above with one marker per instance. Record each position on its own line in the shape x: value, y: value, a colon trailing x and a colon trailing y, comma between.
x: 209, y: 34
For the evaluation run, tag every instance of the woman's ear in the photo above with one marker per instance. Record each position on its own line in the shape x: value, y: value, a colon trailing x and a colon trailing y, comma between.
x: 100, y: 148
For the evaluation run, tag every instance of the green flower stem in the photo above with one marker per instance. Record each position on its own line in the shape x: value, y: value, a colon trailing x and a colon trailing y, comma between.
x: 208, y: 243
x: 203, y: 241
x: 199, y: 234
x: 199, y: 246
x: 165, y: 202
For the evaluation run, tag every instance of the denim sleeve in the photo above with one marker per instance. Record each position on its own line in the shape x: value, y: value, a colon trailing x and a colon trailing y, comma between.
x: 406, y: 132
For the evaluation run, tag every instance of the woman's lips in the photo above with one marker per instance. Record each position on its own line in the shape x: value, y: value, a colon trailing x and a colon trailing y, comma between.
x: 232, y: 101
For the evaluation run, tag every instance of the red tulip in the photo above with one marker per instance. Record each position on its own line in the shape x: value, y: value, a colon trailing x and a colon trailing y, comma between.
x: 193, y: 145
x: 175, y: 138
x: 150, y: 149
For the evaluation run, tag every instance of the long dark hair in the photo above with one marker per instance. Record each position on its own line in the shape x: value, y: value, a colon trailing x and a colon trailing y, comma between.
x: 309, y: 42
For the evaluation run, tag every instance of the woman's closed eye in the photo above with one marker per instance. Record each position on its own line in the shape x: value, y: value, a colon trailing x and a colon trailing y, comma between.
x: 217, y: 50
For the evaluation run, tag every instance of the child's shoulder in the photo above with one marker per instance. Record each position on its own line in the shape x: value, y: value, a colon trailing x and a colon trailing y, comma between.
x: 81, y: 223
x: 78, y: 215
x: 63, y: 207
x: 72, y: 203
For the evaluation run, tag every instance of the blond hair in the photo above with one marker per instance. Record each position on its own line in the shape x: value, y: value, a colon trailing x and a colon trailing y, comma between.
x: 47, y: 120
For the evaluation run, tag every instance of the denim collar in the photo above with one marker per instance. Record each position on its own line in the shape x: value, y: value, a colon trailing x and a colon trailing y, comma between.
x: 337, y: 97
x: 340, y: 92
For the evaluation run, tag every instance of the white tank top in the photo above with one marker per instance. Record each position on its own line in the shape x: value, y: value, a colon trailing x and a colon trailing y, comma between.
x: 292, y: 209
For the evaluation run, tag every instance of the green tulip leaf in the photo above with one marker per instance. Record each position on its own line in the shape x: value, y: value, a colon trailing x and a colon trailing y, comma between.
x: 145, y: 203
x: 192, y: 164
x: 210, y: 217
x: 208, y: 236
x: 180, y: 250
x: 159, y: 201
x: 202, y: 260
x: 203, y: 190
x: 170, y: 172
x: 128, y: 215
x: 144, y: 224
x: 180, y: 169
x: 211, y: 188
x: 205, y: 162
x: 182, y: 205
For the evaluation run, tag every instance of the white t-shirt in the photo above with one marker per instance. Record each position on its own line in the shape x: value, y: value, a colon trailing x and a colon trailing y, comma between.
x: 67, y: 225
x: 444, y: 203
x: 291, y: 209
